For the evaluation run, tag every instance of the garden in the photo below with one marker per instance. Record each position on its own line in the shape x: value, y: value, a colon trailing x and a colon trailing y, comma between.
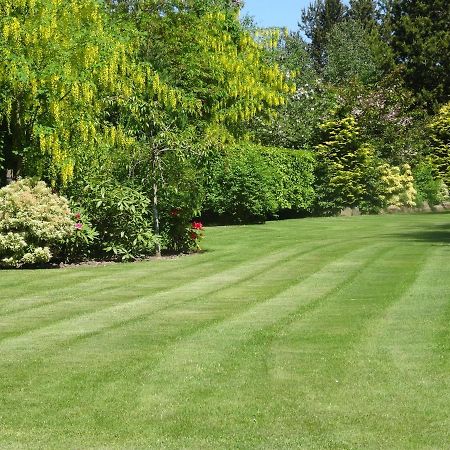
x: 177, y: 264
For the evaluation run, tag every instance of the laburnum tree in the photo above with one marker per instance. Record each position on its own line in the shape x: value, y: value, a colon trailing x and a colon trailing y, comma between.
x: 219, y: 79
x: 60, y: 64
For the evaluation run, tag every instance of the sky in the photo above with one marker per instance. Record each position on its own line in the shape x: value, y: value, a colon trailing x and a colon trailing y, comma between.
x: 278, y: 13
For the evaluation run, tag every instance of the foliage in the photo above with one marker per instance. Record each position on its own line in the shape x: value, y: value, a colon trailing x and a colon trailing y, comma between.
x: 121, y: 217
x: 429, y: 188
x: 293, y: 177
x: 81, y: 244
x: 439, y: 134
x: 398, y: 186
x: 239, y: 186
x: 387, y: 118
x: 61, y: 65
x: 317, y: 20
x: 296, y: 123
x: 207, y: 55
x: 420, y: 38
x: 352, y: 54
x: 365, y: 12
x: 181, y: 200
x: 347, y: 173
x: 247, y: 182
x: 34, y: 223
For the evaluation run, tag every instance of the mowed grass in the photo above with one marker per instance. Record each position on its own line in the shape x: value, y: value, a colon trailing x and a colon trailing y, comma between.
x: 328, y: 333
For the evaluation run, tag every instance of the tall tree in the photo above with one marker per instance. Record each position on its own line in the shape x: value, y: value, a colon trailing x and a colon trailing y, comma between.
x: 317, y: 20
x: 421, y: 42
x: 61, y: 64
x: 365, y: 12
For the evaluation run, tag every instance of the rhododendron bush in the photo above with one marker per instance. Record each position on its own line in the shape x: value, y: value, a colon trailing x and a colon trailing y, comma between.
x: 34, y: 223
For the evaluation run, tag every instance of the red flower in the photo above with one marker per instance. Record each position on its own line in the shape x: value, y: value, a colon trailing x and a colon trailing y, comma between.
x: 193, y: 235
x: 197, y: 225
x: 77, y: 216
x: 78, y: 226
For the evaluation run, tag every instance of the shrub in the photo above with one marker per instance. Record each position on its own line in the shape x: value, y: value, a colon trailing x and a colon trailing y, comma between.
x: 429, y: 188
x: 293, y: 177
x: 347, y: 171
x: 247, y: 182
x: 34, y: 223
x: 121, y: 217
x: 180, y: 201
x: 80, y: 245
x: 398, y: 185
x: 439, y: 130
x: 239, y: 185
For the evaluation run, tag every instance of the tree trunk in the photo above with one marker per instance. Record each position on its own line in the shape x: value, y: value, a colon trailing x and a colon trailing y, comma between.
x: 155, y: 208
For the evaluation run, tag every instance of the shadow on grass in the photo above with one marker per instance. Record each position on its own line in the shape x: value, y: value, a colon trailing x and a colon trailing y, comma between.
x: 438, y: 234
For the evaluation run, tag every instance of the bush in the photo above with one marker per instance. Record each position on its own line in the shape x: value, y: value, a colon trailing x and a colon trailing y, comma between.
x: 439, y: 130
x: 34, y: 223
x: 429, y: 189
x: 248, y: 182
x: 82, y: 242
x: 293, y: 177
x: 121, y: 217
x: 239, y: 185
x: 398, y: 185
x: 347, y: 171
x: 180, y: 201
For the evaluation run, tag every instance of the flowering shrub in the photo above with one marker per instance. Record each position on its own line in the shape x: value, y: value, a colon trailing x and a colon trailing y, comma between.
x: 34, y: 223
x: 181, y: 197
x: 196, y: 233
x: 84, y: 237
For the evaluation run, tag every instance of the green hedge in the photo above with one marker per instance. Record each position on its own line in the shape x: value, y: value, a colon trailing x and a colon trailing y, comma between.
x: 248, y: 182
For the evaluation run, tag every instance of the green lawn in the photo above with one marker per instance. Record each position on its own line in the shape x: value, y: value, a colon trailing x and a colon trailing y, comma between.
x: 329, y: 333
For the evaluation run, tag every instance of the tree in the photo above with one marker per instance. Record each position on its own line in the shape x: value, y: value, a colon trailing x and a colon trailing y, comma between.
x: 421, y: 42
x: 365, y: 12
x: 351, y: 54
x: 217, y: 76
x: 317, y: 20
x: 62, y: 65
x: 439, y: 129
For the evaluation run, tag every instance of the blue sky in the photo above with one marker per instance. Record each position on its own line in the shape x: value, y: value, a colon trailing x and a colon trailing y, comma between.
x: 281, y: 13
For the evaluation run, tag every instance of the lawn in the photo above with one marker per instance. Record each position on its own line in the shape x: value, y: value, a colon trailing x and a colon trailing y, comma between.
x: 326, y: 333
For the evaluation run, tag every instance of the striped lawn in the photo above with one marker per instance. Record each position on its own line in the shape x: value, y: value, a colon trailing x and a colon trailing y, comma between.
x: 329, y: 333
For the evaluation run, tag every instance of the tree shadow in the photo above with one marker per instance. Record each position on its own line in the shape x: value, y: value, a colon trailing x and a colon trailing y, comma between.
x: 438, y: 234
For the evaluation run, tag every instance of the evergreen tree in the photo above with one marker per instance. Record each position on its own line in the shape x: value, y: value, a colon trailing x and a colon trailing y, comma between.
x: 317, y: 20
x: 365, y: 12
x: 421, y: 42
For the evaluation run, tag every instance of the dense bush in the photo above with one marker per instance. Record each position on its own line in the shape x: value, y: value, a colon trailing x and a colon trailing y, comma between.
x: 429, y: 188
x: 34, y: 223
x: 248, y: 182
x: 347, y: 173
x: 397, y: 186
x: 439, y: 129
x: 239, y: 185
x: 121, y: 215
x: 293, y: 177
